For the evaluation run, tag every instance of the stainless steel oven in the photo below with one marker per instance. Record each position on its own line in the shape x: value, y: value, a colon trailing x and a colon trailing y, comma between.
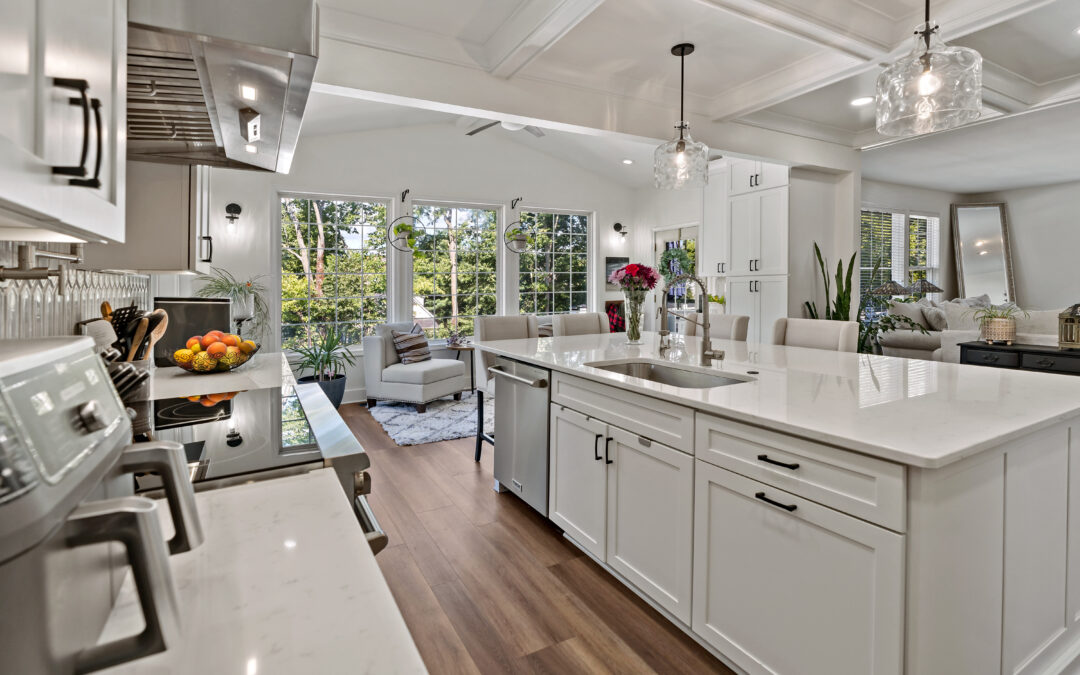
x: 69, y: 527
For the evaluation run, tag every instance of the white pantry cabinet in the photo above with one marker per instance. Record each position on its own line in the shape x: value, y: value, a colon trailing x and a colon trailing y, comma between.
x: 714, y: 249
x: 759, y: 232
x: 63, y: 83
x: 763, y: 299
x: 747, y: 175
x: 627, y: 500
x: 785, y: 585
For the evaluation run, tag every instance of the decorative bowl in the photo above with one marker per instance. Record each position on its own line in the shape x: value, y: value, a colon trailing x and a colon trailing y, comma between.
x: 219, y: 366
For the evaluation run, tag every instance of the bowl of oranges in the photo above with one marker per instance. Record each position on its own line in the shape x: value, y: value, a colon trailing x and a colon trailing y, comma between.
x: 214, y: 352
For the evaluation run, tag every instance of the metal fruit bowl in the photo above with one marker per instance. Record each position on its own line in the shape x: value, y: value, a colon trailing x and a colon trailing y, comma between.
x: 190, y: 367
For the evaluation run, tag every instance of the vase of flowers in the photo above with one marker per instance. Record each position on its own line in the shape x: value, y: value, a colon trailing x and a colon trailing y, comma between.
x: 635, y: 280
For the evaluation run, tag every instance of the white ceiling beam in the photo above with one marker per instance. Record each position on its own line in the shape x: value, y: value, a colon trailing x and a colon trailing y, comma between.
x: 531, y: 30
x: 337, y: 24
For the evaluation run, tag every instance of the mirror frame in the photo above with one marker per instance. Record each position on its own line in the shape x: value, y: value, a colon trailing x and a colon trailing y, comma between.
x: 1006, y: 247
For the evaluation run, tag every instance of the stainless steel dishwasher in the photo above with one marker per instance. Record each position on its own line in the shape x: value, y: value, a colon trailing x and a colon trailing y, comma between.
x: 522, y: 395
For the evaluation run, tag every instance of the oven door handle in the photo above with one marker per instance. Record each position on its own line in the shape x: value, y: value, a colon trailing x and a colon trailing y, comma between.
x: 132, y: 521
x: 539, y: 383
x: 375, y: 535
x: 167, y: 459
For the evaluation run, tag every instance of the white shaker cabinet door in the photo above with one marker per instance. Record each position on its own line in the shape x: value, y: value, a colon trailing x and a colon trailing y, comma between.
x: 742, y: 300
x: 808, y: 590
x: 772, y: 304
x: 650, y: 519
x: 743, y: 221
x: 772, y: 232
x: 577, y: 491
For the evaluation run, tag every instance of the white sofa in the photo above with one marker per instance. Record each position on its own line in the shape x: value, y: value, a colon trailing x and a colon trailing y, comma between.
x: 386, y: 378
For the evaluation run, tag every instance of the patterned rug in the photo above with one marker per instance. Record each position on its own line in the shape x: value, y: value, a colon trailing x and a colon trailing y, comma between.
x: 445, y: 419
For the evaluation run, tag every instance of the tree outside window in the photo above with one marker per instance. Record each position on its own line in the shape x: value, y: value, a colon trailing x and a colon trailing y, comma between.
x: 553, y: 273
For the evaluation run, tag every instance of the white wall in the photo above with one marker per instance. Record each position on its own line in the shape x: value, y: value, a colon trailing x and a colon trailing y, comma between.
x: 1044, y: 230
x: 435, y: 162
x: 813, y: 209
x: 892, y: 196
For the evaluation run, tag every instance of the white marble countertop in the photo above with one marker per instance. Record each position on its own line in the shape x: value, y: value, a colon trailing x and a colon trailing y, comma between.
x: 920, y: 413
x: 264, y: 370
x: 285, y: 583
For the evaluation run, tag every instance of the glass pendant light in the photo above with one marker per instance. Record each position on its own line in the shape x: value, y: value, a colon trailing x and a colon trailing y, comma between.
x: 682, y: 162
x: 933, y: 88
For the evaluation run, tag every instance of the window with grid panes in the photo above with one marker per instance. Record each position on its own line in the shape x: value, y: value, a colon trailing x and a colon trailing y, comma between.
x: 454, y: 267
x: 553, y: 272
x: 906, y: 245
x: 333, y: 268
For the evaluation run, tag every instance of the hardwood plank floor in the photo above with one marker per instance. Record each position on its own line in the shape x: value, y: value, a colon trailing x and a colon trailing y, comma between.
x: 487, y: 585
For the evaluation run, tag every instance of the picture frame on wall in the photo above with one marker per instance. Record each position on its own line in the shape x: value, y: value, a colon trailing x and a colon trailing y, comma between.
x: 610, y: 265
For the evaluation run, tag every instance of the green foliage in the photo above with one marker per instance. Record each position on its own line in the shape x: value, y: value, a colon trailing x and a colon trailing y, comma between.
x: 838, y: 308
x: 683, y: 263
x: 326, y: 356
x: 984, y: 314
x: 553, y: 272
x: 221, y: 283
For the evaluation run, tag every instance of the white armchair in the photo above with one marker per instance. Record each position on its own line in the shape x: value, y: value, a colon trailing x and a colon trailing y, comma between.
x: 386, y: 378
x: 590, y: 323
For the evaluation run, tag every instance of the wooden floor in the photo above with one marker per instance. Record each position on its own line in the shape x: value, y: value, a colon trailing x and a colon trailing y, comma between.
x: 486, y: 585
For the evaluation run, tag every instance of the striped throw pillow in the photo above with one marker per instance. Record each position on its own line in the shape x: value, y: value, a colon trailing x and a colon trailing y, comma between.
x: 411, y: 347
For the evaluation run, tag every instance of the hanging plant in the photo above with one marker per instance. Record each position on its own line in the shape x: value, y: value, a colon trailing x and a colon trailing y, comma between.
x: 681, y: 260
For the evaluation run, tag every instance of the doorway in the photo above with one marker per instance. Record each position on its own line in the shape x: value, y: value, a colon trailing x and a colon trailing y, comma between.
x: 681, y: 298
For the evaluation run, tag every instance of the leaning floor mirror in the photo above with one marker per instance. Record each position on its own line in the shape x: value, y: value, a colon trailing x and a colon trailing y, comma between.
x: 983, y: 260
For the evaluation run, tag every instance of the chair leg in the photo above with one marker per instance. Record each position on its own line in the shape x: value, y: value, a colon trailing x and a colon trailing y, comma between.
x: 457, y: 396
x: 479, y: 423
x: 421, y: 408
x: 371, y: 403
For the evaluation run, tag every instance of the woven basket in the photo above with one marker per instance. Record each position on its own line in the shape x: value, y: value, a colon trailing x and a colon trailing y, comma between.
x: 999, y: 330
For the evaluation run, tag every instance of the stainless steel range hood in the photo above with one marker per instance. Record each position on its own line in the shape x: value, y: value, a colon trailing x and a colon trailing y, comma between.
x: 219, y: 83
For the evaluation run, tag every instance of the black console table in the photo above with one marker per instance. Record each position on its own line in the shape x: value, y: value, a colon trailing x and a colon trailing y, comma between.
x: 1022, y: 357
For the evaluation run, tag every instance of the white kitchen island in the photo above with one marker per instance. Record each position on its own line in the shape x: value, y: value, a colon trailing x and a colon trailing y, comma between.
x: 832, y: 513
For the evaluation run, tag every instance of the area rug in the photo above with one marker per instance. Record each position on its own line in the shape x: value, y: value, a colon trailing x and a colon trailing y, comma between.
x: 445, y: 419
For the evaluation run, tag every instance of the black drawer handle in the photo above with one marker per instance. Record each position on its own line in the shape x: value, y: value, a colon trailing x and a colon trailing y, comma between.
x: 765, y: 458
x: 596, y: 447
x: 607, y: 444
x: 1045, y: 363
x: 786, y: 507
x: 990, y: 358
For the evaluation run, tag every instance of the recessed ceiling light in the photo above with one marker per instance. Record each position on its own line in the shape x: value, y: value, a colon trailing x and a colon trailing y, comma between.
x: 983, y: 252
x: 251, y: 148
x: 628, y: 161
x: 248, y: 93
x: 980, y: 243
x: 862, y: 100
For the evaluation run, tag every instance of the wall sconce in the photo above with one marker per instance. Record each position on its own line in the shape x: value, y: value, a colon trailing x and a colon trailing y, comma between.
x: 620, y: 230
x: 232, y: 213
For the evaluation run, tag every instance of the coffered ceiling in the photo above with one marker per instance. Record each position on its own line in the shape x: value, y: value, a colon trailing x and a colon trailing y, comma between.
x: 787, y: 65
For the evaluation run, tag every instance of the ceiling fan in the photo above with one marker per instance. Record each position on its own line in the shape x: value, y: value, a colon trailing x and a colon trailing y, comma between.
x: 509, y: 126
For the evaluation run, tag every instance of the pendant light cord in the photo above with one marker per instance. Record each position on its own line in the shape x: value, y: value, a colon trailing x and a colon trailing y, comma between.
x: 926, y: 26
x: 682, y: 91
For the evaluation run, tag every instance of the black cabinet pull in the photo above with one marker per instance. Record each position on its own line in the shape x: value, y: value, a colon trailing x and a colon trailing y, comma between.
x: 210, y: 254
x: 596, y: 447
x: 607, y: 444
x: 1045, y: 363
x: 786, y: 507
x: 991, y: 358
x: 94, y: 182
x: 750, y: 265
x: 83, y: 101
x: 765, y: 458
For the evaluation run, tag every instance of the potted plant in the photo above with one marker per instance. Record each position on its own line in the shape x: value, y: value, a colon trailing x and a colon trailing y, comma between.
x: 517, y: 239
x: 246, y: 296
x: 998, y: 324
x: 326, y: 358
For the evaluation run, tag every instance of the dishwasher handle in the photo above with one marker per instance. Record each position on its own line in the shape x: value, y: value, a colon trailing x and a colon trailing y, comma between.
x: 540, y: 383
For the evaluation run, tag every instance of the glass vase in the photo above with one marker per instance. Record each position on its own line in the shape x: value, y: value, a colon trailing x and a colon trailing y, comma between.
x: 635, y: 300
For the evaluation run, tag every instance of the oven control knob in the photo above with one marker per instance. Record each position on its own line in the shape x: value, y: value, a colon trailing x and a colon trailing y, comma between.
x: 90, y: 417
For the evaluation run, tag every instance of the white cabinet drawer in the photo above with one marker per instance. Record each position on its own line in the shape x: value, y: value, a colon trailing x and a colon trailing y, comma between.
x: 658, y: 420
x: 862, y: 486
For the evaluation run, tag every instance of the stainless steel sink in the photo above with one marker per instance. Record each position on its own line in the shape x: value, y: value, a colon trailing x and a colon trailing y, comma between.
x: 674, y: 376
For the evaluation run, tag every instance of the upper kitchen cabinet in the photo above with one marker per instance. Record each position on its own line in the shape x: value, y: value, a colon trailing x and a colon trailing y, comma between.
x: 168, y: 222
x: 749, y: 176
x: 714, y: 250
x: 62, y: 119
x: 758, y: 222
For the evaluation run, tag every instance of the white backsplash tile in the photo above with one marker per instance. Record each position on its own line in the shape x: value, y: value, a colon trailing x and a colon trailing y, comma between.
x: 32, y: 308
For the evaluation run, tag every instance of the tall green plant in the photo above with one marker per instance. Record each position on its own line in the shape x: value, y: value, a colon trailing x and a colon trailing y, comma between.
x: 327, y: 355
x: 838, y: 308
x: 221, y: 283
